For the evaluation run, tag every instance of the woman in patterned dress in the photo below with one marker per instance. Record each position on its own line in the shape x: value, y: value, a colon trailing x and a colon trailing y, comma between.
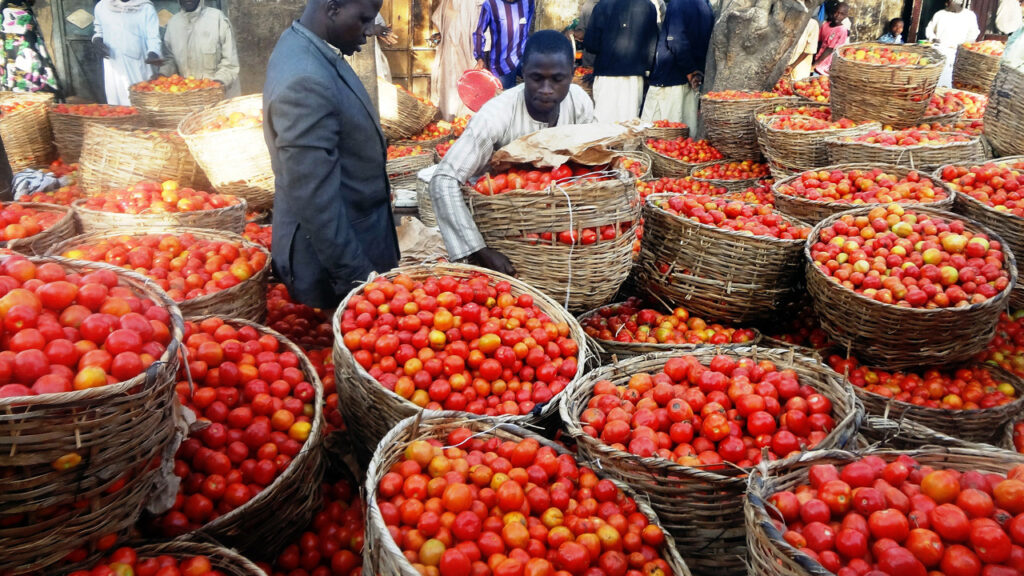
x: 26, y: 62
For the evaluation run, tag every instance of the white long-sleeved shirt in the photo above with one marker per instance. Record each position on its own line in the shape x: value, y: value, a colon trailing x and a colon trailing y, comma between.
x: 1009, y: 16
x: 951, y: 29
x: 201, y: 44
x: 129, y: 36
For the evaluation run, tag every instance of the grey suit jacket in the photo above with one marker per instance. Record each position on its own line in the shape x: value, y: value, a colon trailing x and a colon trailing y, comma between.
x: 332, y: 210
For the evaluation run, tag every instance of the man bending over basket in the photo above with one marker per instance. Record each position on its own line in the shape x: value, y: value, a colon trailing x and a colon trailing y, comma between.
x: 547, y: 98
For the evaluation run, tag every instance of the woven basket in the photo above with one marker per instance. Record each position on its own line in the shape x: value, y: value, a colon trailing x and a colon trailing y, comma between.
x: 425, y: 144
x: 807, y: 100
x: 437, y: 156
x: 1004, y: 114
x: 228, y: 562
x: 402, y: 171
x: 814, y: 211
x: 799, y: 150
x: 732, y: 277
x: 377, y: 410
x: 167, y: 109
x: 1009, y: 227
x: 235, y: 160
x: 659, y: 133
x: 642, y: 157
x: 895, y: 95
x: 381, y: 555
x: 921, y: 157
x: 729, y: 124
x: 729, y: 185
x: 667, y: 167
x: 94, y: 424
x: 40, y: 243
x: 119, y: 157
x: 893, y: 337
x: 229, y: 219
x: 701, y: 508
x: 424, y: 204
x: 771, y: 555
x: 947, y: 118
x: 973, y: 70
x: 402, y: 115
x: 26, y: 134
x: 246, y: 300
x: 69, y: 130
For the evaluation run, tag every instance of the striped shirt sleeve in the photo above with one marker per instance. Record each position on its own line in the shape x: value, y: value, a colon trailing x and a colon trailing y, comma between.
x: 481, y: 29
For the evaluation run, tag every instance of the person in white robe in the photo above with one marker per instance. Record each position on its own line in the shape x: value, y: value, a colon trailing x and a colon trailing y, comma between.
x: 455, y: 21
x: 199, y: 43
x: 126, y: 33
x: 948, y: 29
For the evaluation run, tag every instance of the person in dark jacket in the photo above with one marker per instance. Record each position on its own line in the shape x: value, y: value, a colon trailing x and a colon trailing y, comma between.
x: 623, y: 35
x: 333, y: 224
x: 679, y: 62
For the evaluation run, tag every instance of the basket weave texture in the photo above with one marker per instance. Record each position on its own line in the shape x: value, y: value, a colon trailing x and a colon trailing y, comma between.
x: 40, y: 243
x: 26, y: 133
x: 974, y: 71
x: 730, y: 125
x: 1004, y: 114
x: 119, y: 157
x: 714, y: 273
x: 236, y: 160
x: 893, y: 337
x: 402, y: 115
x: 92, y: 423
x: 921, y: 157
x: 229, y: 219
x: 424, y: 204
x: 402, y: 171
x: 730, y: 185
x: 814, y: 211
x: 701, y: 508
x: 895, y: 95
x: 222, y: 559
x: 659, y: 133
x: 381, y: 555
x: 246, y: 300
x: 429, y: 145
x: 167, y: 109
x: 69, y: 130
x: 798, y: 150
x: 377, y: 410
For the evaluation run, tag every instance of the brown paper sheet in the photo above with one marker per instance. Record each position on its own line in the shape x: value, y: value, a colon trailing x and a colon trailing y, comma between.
x: 587, y: 144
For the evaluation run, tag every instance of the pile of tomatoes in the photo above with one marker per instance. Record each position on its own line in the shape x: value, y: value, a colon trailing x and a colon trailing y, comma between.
x: 100, y: 110
x: 396, y: 152
x: 629, y: 321
x: 174, y: 84
x: 308, y: 327
x: 262, y: 235
x: 156, y: 198
x: 668, y: 124
x: 908, y: 137
x: 686, y: 150
x: 1006, y: 349
x: 860, y: 186
x: 533, y: 179
x: 19, y: 221
x: 803, y: 330
x: 740, y: 95
x: 996, y: 185
x: 63, y: 196
x: 742, y: 170
x: 125, y: 561
x: 685, y: 185
x: 750, y: 219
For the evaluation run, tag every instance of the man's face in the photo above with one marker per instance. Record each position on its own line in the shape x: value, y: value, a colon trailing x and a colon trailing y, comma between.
x: 350, y: 23
x: 188, y: 5
x: 842, y: 13
x: 548, y: 77
x: 897, y: 29
x: 954, y: 6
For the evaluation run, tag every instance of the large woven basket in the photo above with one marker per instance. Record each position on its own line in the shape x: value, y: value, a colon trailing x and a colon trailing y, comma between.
x: 424, y: 205
x: 69, y: 130
x: 717, y: 274
x: 236, y: 160
x: 40, y: 243
x: 167, y: 109
x: 799, y: 150
x: 402, y: 171
x: 26, y: 133
x: 814, y: 211
x: 895, y: 95
x: 402, y: 115
x: 377, y: 410
x: 973, y: 70
x: 894, y: 337
x: 947, y: 118
x: 636, y: 155
x: 660, y: 133
x: 921, y: 157
x: 664, y: 166
x: 65, y: 510
x: 119, y: 157
x: 1004, y: 114
x: 729, y: 124
x: 246, y: 300
x: 730, y: 185
x: 771, y: 555
x: 428, y: 145
x: 229, y: 219
x: 381, y: 555
x: 222, y: 559
x: 1009, y: 227
x: 701, y: 508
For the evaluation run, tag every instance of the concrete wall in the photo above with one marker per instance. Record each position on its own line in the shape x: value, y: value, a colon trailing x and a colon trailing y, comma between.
x: 258, y: 24
x: 870, y: 17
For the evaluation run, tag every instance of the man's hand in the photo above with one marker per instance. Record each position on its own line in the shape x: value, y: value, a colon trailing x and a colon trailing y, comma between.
x: 479, y: 66
x: 695, y: 79
x: 100, y: 47
x: 492, y: 259
x: 154, y: 59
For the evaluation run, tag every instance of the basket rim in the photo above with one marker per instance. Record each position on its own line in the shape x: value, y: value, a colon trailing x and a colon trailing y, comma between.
x: 937, y: 62
x: 972, y: 141
x: 649, y: 201
x: 683, y: 164
x: 950, y: 193
x: 54, y: 111
x: 77, y: 205
x: 937, y: 174
x: 42, y: 207
x: 1009, y: 263
x: 766, y: 121
x: 658, y: 346
x: 196, y: 116
x: 134, y: 88
x: 177, y: 330
x: 963, y: 47
x: 776, y: 96
x: 185, y: 547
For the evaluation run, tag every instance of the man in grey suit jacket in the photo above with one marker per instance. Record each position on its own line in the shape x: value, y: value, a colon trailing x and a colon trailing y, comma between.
x: 333, y: 224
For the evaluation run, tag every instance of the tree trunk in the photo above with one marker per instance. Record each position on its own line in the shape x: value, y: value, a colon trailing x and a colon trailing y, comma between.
x: 752, y: 42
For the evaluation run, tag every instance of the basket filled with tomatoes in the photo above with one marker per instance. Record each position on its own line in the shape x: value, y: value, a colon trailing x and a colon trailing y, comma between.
x: 186, y: 558
x: 635, y: 162
x: 936, y: 510
x: 90, y: 352
x: 920, y: 149
x: 887, y: 83
x: 526, y: 506
x: 725, y: 260
x: 404, y: 162
x: 815, y: 89
x: 816, y: 194
x: 977, y: 64
x: 227, y: 142
x: 119, y: 157
x: 666, y: 130
x: 402, y: 113
x: 69, y: 121
x: 797, y: 143
x: 432, y: 134
x: 479, y: 342
x: 678, y: 157
x: 251, y: 466
x: 204, y: 271
x: 166, y: 100
x: 733, y: 175
x: 686, y: 428
x: 902, y: 287
x: 729, y: 119
x: 944, y: 108
x: 1004, y: 129
x: 25, y: 129
x: 31, y: 228
x: 991, y: 195
x: 148, y: 204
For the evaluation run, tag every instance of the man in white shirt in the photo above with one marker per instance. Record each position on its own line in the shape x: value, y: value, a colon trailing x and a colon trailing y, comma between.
x: 126, y: 34
x: 547, y: 98
x: 948, y: 29
x: 1009, y: 16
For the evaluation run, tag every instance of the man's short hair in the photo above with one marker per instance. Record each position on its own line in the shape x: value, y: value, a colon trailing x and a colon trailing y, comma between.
x: 548, y: 42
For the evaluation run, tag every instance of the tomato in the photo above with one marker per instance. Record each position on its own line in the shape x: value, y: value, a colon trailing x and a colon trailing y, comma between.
x: 960, y: 561
x: 990, y: 543
x: 899, y: 560
x: 950, y: 522
x: 889, y: 523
